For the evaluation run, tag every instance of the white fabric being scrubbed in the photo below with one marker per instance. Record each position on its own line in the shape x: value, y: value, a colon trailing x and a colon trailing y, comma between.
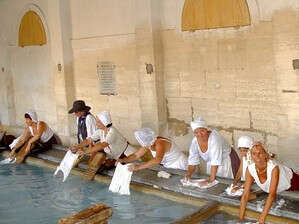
x: 66, y: 164
x: 195, y: 183
x: 237, y: 193
x: 7, y: 161
x: 121, y: 180
x: 15, y: 142
x: 163, y: 174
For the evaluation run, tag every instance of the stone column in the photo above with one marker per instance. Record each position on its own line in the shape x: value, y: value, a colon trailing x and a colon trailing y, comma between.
x: 61, y: 54
x: 149, y: 50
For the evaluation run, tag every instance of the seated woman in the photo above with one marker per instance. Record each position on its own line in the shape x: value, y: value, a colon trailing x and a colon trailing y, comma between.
x: 164, y: 151
x: 36, y: 135
x: 270, y: 176
x: 244, y: 145
x: 112, y: 145
x: 221, y: 159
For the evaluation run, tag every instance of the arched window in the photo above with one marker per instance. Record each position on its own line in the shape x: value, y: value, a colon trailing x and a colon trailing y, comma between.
x: 31, y: 30
x: 208, y: 14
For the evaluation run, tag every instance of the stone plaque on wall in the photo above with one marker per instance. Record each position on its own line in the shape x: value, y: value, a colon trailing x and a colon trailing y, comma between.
x: 106, y: 73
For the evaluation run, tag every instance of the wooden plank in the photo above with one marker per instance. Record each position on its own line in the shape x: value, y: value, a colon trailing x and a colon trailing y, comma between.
x: 97, y: 214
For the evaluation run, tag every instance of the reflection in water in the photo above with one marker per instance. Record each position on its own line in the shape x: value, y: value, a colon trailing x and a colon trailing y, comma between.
x: 32, y: 195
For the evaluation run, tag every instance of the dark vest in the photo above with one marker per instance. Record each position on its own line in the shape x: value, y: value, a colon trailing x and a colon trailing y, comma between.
x: 82, y: 130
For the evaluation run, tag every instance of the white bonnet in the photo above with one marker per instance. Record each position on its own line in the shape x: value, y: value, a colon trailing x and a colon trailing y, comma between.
x: 33, y: 115
x: 146, y: 137
x: 198, y: 123
x: 104, y: 117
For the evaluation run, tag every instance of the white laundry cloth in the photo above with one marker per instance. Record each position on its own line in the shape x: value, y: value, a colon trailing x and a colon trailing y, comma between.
x: 163, y: 174
x: 66, y: 164
x: 121, y: 180
x: 275, y: 208
x: 15, y: 142
x: 195, y: 183
x: 7, y: 161
x: 237, y: 193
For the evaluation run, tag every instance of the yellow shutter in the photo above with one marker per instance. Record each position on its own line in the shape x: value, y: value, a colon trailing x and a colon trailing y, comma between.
x: 209, y: 14
x: 31, y: 30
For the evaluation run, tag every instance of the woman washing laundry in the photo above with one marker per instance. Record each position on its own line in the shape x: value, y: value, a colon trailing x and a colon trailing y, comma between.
x: 37, y: 134
x: 270, y: 176
x: 222, y: 160
x: 111, y: 145
x: 244, y: 145
x: 164, y: 151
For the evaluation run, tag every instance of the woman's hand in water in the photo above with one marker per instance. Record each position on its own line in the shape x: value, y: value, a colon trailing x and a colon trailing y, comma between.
x: 133, y: 167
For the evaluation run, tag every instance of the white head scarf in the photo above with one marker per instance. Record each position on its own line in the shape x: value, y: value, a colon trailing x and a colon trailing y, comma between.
x: 33, y: 115
x: 245, y: 142
x: 198, y: 123
x: 104, y: 117
x: 145, y: 136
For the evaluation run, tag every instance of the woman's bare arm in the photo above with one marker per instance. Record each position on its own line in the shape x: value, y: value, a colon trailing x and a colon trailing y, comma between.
x: 24, y: 138
x: 81, y: 145
x: 41, y: 127
x: 272, y: 194
x: 239, y: 173
x: 98, y: 147
x: 248, y: 182
x: 213, y: 173
x: 138, y: 154
x: 160, y: 151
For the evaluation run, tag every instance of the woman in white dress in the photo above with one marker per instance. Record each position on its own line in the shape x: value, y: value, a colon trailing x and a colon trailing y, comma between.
x: 270, y: 176
x: 222, y: 160
x: 164, y: 151
x: 37, y: 135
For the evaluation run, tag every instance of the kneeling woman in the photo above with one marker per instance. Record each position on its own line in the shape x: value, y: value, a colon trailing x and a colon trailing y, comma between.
x: 270, y: 176
x: 164, y: 151
x: 112, y: 145
x: 36, y: 135
x: 222, y: 160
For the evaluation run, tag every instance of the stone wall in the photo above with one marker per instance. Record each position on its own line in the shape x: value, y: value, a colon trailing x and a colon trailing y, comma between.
x: 240, y: 80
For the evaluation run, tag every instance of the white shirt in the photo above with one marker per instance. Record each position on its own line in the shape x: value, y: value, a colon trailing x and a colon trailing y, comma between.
x: 217, y: 151
x: 285, y: 176
x: 117, y: 142
x: 91, y: 125
x: 46, y: 135
x: 174, y: 158
x: 217, y: 154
